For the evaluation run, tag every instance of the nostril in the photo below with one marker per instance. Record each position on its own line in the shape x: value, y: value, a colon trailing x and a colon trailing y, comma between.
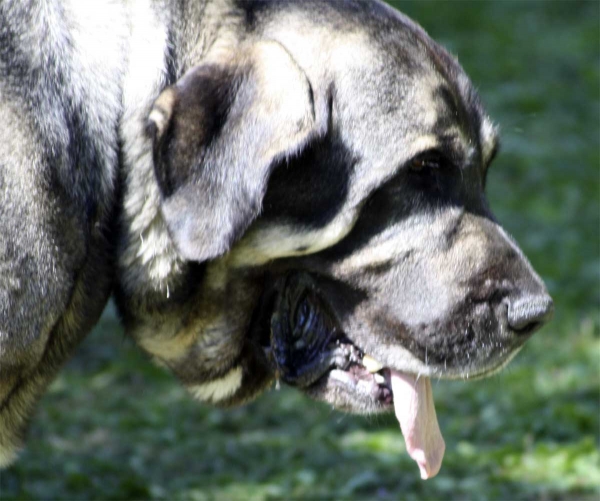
x: 527, y: 313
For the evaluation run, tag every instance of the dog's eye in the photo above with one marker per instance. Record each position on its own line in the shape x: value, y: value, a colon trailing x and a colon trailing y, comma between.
x: 429, y: 160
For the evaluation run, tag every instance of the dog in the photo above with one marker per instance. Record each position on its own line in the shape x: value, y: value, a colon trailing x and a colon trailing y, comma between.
x: 275, y: 190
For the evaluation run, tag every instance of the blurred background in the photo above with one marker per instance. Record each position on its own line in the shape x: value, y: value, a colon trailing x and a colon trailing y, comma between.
x: 113, y: 426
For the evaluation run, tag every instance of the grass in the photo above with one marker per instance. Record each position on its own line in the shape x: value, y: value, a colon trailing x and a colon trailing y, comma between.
x: 113, y: 426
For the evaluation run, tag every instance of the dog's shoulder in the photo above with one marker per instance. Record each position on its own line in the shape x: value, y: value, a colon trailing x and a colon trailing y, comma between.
x: 61, y: 73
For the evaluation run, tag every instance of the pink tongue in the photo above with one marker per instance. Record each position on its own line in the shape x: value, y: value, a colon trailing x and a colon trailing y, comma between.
x: 415, y: 410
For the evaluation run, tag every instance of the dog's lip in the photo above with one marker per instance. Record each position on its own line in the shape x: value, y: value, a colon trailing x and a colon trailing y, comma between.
x: 475, y: 368
x: 488, y: 370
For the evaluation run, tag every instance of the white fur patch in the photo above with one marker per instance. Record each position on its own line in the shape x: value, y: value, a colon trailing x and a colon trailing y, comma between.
x: 489, y: 139
x: 218, y: 389
x: 162, y: 110
x: 265, y: 244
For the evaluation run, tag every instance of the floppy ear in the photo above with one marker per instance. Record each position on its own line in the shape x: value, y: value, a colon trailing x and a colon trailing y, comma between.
x: 217, y: 134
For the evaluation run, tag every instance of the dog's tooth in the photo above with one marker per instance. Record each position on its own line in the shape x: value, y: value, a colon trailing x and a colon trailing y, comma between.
x: 371, y: 364
x: 379, y: 379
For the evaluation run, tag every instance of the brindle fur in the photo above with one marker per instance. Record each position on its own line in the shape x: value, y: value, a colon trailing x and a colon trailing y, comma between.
x: 239, y: 142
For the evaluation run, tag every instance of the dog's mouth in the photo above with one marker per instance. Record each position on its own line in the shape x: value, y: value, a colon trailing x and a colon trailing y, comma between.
x: 307, y: 349
x: 412, y: 399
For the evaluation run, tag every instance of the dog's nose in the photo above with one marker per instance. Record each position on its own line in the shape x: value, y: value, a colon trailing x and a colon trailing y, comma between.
x: 526, y: 314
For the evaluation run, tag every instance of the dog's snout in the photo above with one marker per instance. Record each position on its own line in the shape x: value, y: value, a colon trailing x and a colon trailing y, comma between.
x: 527, y: 313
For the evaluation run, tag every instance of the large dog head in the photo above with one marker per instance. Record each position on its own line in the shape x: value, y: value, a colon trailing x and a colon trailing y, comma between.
x: 329, y: 167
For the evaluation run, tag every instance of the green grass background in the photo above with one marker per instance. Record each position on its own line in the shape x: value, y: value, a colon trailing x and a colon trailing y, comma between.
x: 113, y: 426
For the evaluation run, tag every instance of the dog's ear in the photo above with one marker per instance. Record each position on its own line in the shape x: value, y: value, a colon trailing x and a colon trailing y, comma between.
x: 217, y: 134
